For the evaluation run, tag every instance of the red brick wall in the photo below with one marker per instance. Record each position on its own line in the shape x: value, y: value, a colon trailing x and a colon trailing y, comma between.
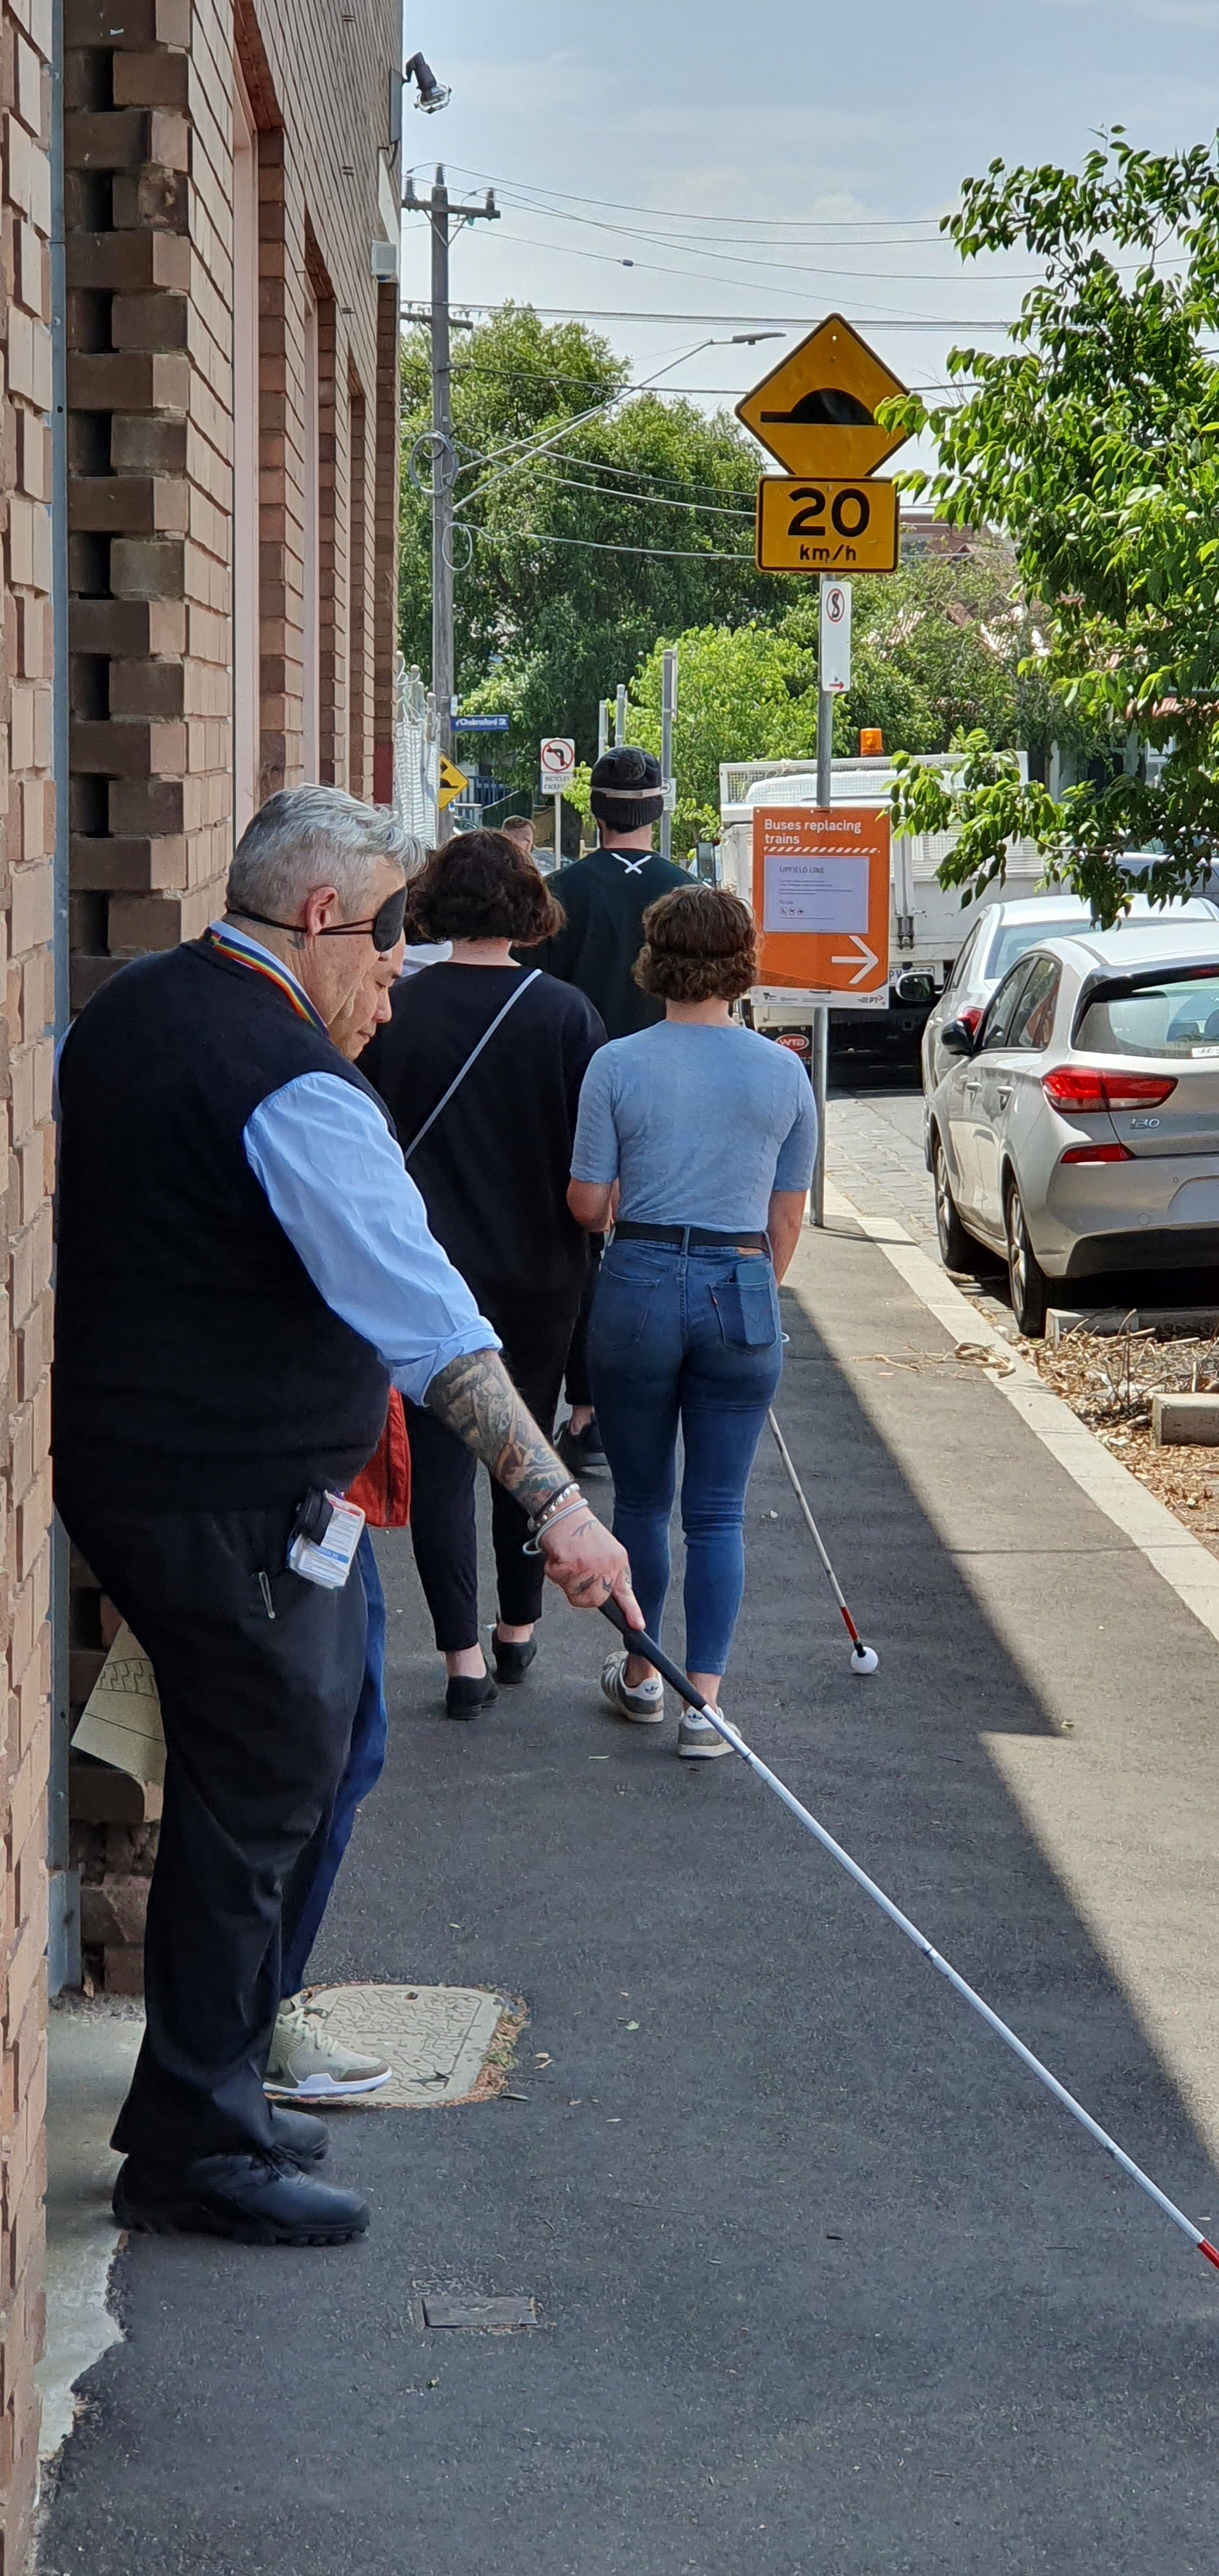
x: 27, y: 825
x: 148, y: 142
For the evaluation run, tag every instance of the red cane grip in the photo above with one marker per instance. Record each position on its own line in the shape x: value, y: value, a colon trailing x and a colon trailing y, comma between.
x: 1211, y: 2251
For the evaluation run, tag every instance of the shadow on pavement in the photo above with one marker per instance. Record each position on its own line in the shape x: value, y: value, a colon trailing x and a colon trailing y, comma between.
x: 828, y: 2287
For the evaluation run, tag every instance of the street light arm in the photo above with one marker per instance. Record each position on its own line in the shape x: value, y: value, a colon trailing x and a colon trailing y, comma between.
x: 542, y: 447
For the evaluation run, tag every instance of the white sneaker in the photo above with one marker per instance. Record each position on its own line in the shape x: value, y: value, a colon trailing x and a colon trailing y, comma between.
x: 644, y: 1702
x: 307, y: 2065
x: 698, y: 1740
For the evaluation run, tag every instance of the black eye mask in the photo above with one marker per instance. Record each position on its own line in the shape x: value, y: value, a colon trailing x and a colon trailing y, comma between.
x: 384, y: 929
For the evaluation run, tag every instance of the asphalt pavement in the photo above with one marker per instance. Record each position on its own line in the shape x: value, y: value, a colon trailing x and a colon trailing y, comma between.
x: 826, y: 2286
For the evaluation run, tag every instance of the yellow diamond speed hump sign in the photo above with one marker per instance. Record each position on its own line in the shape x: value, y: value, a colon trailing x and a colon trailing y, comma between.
x: 816, y: 411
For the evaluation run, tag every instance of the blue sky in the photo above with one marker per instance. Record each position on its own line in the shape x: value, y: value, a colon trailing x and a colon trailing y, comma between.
x: 839, y: 131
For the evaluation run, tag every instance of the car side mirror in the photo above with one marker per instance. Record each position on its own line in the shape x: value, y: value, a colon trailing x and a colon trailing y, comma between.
x: 957, y: 1038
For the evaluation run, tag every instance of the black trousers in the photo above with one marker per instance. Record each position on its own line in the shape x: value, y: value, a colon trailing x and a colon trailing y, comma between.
x: 258, y: 1713
x: 576, y: 1385
x: 443, y: 1528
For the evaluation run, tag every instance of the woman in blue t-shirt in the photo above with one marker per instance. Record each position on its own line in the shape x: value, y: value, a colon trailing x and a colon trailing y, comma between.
x: 696, y: 1138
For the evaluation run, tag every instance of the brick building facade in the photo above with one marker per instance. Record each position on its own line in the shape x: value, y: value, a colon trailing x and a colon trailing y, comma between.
x: 209, y: 613
x: 27, y: 822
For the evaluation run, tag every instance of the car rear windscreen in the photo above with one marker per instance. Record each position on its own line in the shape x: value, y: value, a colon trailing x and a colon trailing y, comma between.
x: 1177, y: 1015
x: 1020, y: 936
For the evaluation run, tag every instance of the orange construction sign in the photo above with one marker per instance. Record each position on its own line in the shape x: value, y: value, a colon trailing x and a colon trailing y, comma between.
x: 821, y: 900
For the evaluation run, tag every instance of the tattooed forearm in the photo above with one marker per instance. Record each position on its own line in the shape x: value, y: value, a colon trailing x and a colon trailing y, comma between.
x: 477, y: 1399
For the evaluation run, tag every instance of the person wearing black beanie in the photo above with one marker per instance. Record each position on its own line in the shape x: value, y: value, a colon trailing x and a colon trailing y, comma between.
x: 605, y: 897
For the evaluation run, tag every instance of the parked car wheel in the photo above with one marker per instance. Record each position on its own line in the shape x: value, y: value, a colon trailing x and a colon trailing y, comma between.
x: 1029, y: 1285
x: 957, y: 1249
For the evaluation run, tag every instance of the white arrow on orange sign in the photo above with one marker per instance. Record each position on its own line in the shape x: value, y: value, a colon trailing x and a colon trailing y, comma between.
x: 867, y: 958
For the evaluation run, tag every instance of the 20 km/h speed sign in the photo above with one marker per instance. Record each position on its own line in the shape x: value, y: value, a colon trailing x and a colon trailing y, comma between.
x: 820, y: 526
x: 821, y: 900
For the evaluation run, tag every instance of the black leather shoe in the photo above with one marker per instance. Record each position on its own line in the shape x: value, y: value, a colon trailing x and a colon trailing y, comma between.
x: 255, y: 2200
x: 582, y: 1451
x: 512, y: 1662
x: 300, y: 2137
x: 466, y: 1693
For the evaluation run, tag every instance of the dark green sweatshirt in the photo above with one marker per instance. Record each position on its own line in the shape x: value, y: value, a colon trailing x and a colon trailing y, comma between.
x: 605, y: 897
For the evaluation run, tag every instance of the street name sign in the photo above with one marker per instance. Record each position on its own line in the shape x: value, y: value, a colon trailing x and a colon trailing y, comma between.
x: 481, y: 724
x: 452, y: 781
x: 821, y: 901
x: 816, y: 411
x: 817, y: 524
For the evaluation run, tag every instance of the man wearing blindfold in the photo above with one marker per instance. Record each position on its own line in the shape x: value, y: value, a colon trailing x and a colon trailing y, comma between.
x: 244, y: 1267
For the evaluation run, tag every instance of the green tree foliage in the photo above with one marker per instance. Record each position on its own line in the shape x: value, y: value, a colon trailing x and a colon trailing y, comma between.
x: 1091, y: 441
x: 937, y: 648
x: 544, y: 629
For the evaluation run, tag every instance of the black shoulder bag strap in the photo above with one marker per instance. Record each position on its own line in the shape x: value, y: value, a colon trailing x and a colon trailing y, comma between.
x: 471, y: 1060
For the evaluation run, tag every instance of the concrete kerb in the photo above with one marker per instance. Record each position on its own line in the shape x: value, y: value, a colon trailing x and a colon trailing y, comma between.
x: 1183, y: 1562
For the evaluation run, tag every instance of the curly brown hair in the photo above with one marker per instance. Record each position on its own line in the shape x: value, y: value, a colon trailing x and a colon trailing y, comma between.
x: 482, y: 886
x: 701, y: 946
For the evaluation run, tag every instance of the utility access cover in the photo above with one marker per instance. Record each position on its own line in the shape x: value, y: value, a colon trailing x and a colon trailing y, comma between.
x: 445, y: 2043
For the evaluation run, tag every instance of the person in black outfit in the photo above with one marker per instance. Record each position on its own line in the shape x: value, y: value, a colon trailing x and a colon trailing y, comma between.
x: 244, y: 1267
x: 605, y: 897
x: 487, y: 1132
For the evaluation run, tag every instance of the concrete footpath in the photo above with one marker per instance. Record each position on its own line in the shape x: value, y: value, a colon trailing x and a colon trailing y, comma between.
x: 826, y: 2286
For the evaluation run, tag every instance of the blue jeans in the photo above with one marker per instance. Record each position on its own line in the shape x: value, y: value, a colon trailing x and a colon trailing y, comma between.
x: 365, y: 1763
x: 692, y: 1340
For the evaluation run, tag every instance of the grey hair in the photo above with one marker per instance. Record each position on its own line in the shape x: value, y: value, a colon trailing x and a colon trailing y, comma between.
x: 305, y: 837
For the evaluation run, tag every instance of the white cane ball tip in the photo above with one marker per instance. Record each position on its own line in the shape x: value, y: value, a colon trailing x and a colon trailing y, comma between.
x: 864, y: 1659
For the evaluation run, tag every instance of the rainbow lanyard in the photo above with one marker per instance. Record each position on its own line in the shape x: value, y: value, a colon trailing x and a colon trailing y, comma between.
x: 271, y: 973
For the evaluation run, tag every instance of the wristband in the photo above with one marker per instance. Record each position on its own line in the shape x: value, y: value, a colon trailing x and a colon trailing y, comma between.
x: 565, y: 1514
x: 566, y: 1498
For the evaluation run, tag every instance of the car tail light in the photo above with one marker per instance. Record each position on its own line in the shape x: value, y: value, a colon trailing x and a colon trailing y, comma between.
x: 1085, y: 1087
x: 970, y: 1017
x: 1097, y: 1154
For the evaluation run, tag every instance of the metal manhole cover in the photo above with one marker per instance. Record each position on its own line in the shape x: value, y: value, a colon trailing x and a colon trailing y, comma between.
x: 445, y: 2043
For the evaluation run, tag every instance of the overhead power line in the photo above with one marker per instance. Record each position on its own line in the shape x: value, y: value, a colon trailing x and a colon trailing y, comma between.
x: 674, y: 554
x: 660, y: 268
x: 760, y: 321
x: 671, y: 214
x: 755, y: 259
x: 654, y: 500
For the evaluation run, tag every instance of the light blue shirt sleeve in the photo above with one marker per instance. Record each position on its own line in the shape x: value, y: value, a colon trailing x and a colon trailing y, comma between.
x: 334, y: 1176
x: 798, y: 1151
x: 594, y: 1153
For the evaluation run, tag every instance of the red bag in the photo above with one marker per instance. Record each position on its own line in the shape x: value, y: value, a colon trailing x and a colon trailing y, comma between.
x: 383, y: 1488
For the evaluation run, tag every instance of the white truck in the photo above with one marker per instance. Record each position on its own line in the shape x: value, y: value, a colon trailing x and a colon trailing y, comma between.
x: 928, y: 922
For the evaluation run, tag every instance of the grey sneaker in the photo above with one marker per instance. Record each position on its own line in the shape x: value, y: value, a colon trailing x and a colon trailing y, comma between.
x: 307, y: 2065
x: 645, y: 1705
x: 697, y: 1739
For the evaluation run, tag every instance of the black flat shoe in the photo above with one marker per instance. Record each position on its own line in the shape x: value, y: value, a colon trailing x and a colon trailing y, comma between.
x: 512, y: 1662
x: 582, y: 1451
x: 254, y: 2200
x: 297, y: 2135
x: 466, y: 1693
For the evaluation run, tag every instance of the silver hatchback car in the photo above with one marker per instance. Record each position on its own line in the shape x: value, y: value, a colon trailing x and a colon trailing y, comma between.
x: 1076, y: 1131
x: 1005, y: 931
